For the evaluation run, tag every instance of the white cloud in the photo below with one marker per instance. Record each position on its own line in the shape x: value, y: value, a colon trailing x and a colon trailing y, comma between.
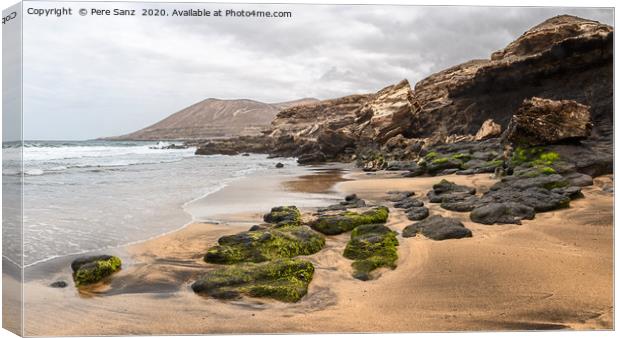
x: 87, y: 77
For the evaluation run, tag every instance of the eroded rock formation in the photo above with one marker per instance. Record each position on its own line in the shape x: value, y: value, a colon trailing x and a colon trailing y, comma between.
x: 564, y: 59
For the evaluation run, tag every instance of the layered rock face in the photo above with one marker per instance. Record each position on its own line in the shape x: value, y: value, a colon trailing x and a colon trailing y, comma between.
x: 387, y: 115
x: 562, y: 69
x: 563, y: 58
x: 541, y: 121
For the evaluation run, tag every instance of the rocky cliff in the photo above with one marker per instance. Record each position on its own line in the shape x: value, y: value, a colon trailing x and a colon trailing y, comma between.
x: 565, y: 58
x: 214, y: 118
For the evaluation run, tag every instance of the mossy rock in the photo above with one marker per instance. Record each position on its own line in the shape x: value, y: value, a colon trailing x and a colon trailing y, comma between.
x: 285, y: 280
x: 93, y: 269
x: 443, y: 163
x: 372, y: 246
x: 265, y: 244
x: 348, y: 220
x: 430, y: 156
x: 283, y: 216
x: 533, y: 156
x: 461, y: 156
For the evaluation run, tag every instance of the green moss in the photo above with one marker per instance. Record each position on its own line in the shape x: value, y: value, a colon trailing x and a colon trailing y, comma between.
x: 556, y: 184
x: 546, y: 170
x: 284, y: 216
x: 494, y: 163
x: 546, y: 159
x: 440, y: 160
x: 431, y: 155
x: 286, y: 280
x: 371, y: 246
x: 267, y: 244
x: 534, y: 156
x: 346, y: 221
x: 461, y: 156
x: 94, y: 269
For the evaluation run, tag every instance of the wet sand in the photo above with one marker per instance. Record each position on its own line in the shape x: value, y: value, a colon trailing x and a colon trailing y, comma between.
x: 553, y: 272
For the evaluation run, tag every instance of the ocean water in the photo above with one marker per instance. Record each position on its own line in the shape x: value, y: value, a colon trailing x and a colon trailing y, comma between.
x: 92, y: 195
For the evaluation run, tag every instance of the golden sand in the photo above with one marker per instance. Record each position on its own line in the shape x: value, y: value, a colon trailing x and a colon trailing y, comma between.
x: 553, y: 272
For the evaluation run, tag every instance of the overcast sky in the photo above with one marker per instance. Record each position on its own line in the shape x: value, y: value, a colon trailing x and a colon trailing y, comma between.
x: 87, y: 77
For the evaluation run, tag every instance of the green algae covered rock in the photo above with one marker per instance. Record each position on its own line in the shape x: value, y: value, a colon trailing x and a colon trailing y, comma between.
x: 265, y: 244
x: 283, y: 216
x: 371, y: 246
x: 92, y: 269
x: 334, y: 224
x: 285, y: 280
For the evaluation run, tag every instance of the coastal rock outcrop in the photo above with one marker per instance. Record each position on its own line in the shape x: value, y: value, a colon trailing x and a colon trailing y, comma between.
x: 563, y: 58
x: 438, y: 228
x: 372, y: 246
x: 337, y: 223
x: 542, y: 121
x: 350, y: 202
x: 265, y: 244
x: 285, y: 280
x: 562, y: 69
x: 502, y: 213
x: 387, y: 115
x: 489, y: 129
x: 93, y: 269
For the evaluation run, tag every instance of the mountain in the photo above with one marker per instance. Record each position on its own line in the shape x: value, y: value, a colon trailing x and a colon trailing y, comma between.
x: 212, y: 118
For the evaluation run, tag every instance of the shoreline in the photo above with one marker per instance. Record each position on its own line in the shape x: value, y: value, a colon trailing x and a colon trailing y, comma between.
x: 290, y: 174
x: 444, y: 285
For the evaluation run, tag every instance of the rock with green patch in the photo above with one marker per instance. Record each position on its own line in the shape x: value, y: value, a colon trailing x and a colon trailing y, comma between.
x: 334, y: 224
x: 93, y: 269
x: 442, y: 163
x: 283, y: 216
x: 265, y: 244
x: 372, y: 246
x: 285, y: 280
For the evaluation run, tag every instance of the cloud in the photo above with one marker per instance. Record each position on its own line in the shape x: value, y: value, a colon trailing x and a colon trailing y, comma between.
x: 86, y: 77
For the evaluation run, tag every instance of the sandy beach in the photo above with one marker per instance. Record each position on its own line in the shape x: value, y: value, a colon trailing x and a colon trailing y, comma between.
x: 554, y: 272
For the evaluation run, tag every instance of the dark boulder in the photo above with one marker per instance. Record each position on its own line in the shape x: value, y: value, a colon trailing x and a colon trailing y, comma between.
x: 438, y: 165
x: 502, y: 213
x: 279, y: 165
x: 350, y: 202
x: 311, y: 158
x: 460, y: 202
x: 438, y: 228
x: 417, y: 213
x: 540, y: 199
x: 402, y: 165
x: 408, y: 203
x: 397, y: 196
x: 579, y: 180
x: 571, y: 192
x: 59, y: 284
x: 449, y: 192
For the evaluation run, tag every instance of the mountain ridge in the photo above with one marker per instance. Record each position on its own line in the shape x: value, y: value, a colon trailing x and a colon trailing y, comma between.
x: 213, y: 118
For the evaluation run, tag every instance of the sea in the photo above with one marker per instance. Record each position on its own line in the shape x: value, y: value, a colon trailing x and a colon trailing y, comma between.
x: 83, y: 196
